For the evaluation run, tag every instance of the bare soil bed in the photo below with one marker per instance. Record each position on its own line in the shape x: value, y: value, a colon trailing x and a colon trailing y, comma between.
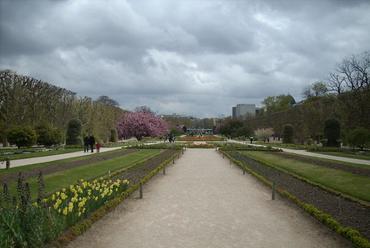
x: 65, y: 165
x: 136, y: 173
x: 328, y: 164
x: 346, y: 211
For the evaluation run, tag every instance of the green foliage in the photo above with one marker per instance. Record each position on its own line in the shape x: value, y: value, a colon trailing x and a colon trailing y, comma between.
x: 288, y: 134
x: 359, y: 137
x: 332, y: 132
x: 113, y: 135
x: 74, y: 129
x: 176, y: 132
x: 22, y: 136
x: 235, y: 128
x: 48, y: 136
x: 278, y: 103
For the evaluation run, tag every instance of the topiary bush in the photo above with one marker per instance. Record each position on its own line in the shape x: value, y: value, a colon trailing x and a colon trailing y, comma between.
x: 332, y: 133
x: 73, y: 136
x: 288, y: 133
x: 22, y: 136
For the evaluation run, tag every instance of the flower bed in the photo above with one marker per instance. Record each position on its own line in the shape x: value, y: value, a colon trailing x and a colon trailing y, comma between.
x: 201, y: 138
x: 31, y: 224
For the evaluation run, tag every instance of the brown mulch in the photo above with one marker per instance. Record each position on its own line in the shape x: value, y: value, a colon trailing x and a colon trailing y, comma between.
x: 65, y: 165
x: 328, y: 164
x: 347, y: 212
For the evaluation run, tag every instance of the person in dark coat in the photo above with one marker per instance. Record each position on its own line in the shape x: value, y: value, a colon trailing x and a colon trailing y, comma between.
x: 86, y: 143
x: 92, y: 142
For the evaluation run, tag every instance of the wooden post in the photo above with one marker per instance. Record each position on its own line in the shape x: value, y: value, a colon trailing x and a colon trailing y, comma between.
x: 273, y: 190
x: 141, y: 191
x: 164, y: 170
x: 173, y: 162
x: 243, y: 171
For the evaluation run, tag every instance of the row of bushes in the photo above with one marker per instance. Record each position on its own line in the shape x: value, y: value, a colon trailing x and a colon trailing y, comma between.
x: 353, y: 235
x: 201, y: 138
x: 359, y: 137
x: 235, y: 146
x: 24, y: 136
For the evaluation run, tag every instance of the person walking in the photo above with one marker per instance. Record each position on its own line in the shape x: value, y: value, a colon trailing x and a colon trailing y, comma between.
x: 86, y: 143
x: 92, y: 142
x: 98, y: 145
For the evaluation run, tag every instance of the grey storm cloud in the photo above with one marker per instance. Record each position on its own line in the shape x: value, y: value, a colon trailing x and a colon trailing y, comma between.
x: 196, y: 57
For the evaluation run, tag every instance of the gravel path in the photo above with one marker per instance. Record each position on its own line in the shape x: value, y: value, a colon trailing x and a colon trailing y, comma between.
x: 204, y: 202
x: 312, y: 154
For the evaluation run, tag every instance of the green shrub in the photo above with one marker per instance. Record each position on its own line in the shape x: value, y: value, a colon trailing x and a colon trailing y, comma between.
x: 22, y: 136
x: 332, y: 133
x: 74, y: 132
x: 48, y: 136
x: 359, y: 137
x: 288, y: 134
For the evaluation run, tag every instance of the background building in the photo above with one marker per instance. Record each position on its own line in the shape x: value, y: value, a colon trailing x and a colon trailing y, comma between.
x: 242, y: 111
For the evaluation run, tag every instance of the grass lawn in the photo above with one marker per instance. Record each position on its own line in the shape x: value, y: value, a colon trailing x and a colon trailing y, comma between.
x: 39, y: 153
x: 62, y: 179
x: 354, y: 185
x: 40, y: 165
x: 348, y: 155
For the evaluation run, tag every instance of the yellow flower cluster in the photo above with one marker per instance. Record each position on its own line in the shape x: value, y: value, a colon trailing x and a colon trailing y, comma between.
x: 85, y: 196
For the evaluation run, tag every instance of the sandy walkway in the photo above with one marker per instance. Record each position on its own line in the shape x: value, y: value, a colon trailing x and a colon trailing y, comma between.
x: 203, y: 202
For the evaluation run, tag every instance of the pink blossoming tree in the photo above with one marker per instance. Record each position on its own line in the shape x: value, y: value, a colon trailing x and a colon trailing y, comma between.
x: 141, y: 124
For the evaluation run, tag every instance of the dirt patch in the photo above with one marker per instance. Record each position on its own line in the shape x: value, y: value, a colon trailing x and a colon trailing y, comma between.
x: 328, y: 164
x: 61, y: 166
x: 347, y: 212
x: 136, y: 173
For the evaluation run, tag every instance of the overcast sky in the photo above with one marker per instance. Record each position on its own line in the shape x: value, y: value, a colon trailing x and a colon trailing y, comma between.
x: 196, y: 57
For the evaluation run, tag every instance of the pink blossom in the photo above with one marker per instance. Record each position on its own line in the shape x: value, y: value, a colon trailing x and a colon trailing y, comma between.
x: 141, y: 124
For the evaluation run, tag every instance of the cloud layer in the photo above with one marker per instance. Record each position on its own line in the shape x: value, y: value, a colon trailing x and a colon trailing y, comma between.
x: 196, y: 57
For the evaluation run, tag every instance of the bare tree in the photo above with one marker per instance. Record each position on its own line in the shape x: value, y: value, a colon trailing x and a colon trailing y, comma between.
x: 351, y: 74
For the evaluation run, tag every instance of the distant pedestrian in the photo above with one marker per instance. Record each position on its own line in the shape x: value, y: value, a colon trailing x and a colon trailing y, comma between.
x: 92, y: 142
x: 86, y: 144
x: 98, y: 147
